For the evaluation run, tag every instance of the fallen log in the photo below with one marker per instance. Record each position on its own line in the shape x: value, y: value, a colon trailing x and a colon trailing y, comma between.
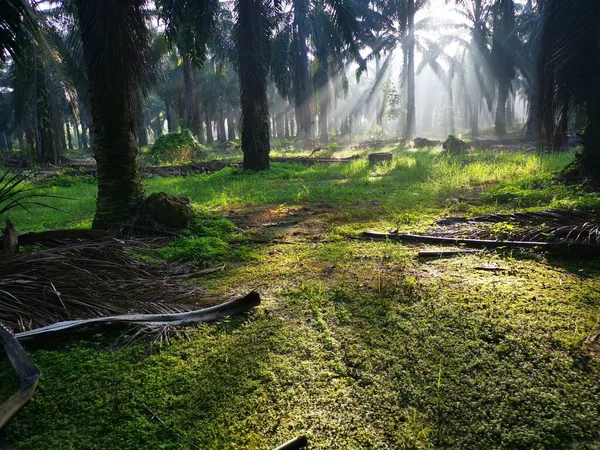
x: 213, y: 313
x: 490, y: 268
x: 27, y: 372
x: 442, y: 253
x: 554, y: 248
x: 296, y: 443
x: 477, y: 243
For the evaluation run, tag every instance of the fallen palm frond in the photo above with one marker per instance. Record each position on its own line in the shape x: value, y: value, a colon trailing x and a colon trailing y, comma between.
x: 91, y: 279
x: 554, y: 226
x: 29, y: 374
x: 555, y: 248
x: 210, y: 314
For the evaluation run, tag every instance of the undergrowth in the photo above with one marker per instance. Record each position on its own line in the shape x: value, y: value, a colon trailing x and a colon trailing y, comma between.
x: 211, y: 239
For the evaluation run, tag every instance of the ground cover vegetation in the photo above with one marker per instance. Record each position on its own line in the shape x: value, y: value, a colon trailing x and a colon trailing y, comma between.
x: 244, y: 151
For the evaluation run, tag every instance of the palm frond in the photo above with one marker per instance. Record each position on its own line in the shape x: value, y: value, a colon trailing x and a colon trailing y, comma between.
x: 15, y: 192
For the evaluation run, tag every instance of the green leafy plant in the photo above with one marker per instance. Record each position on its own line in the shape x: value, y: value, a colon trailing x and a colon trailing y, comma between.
x: 16, y: 193
x: 176, y: 148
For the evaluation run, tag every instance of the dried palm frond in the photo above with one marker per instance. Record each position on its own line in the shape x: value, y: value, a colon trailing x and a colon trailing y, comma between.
x: 90, y: 279
x: 557, y: 226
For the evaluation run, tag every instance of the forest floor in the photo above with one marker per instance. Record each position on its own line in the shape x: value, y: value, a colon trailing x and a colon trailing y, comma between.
x: 357, y: 344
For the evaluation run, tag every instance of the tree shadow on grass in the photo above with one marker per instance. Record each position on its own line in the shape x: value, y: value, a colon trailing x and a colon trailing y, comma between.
x: 190, y: 394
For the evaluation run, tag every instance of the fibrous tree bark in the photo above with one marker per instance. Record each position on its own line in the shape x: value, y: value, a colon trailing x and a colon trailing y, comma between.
x: 410, y: 77
x: 113, y: 31
x: 302, y: 96
x: 253, y: 41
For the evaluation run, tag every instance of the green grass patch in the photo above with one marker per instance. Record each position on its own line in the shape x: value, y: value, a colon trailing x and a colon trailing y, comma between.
x: 212, y: 239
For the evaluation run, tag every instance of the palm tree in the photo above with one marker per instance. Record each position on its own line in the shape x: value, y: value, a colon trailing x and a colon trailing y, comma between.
x: 113, y: 32
x: 476, y: 14
x: 191, y: 25
x: 503, y: 57
x: 252, y: 33
x: 568, y: 69
x: 299, y: 53
x: 44, y: 94
x: 400, y: 15
x: 410, y: 67
x: 432, y: 52
x: 330, y: 30
x: 335, y: 35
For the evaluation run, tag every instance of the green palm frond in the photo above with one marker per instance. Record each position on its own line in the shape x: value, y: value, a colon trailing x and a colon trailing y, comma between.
x: 15, y: 24
x: 191, y: 24
x: 15, y: 192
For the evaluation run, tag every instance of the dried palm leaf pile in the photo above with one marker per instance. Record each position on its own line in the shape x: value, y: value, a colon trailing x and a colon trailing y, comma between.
x: 87, y: 279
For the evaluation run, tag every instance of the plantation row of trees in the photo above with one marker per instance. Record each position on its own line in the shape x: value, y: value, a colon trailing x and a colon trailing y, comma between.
x: 104, y: 74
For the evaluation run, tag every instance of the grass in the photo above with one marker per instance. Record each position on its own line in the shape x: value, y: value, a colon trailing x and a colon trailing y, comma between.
x: 416, y: 182
x: 357, y: 344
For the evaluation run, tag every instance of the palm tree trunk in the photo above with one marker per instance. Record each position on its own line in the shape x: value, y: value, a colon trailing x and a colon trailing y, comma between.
x: 112, y: 32
x: 77, y: 135
x: 253, y: 33
x: 222, y: 134
x: 3, y: 144
x: 500, y: 126
x: 302, y: 74
x: 410, y: 107
x: 190, y: 93
x: 170, y: 119
x: 209, y: 131
x: 69, y: 137
x: 379, y: 102
x: 322, y: 80
x: 142, y: 131
x: 158, y: 125
x: 286, y: 123
x: 280, y: 125
x: 231, y: 126
x: 474, y: 107
x: 451, y: 109
x: 324, y: 113
x: 84, y: 136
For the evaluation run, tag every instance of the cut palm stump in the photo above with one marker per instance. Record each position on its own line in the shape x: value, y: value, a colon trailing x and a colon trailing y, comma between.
x: 378, y: 158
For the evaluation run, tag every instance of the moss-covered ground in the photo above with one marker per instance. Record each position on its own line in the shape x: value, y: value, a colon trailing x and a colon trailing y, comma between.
x: 357, y: 344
